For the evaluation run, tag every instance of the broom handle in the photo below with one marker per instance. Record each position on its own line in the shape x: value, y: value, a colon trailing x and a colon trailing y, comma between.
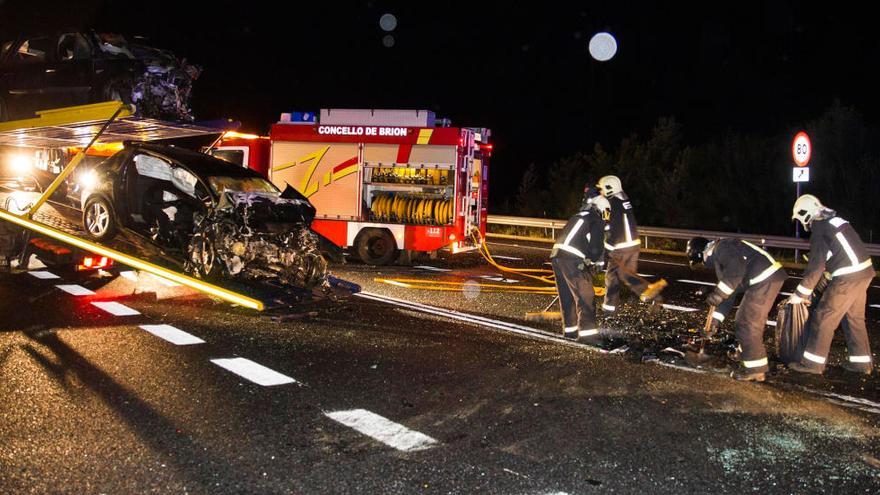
x: 708, y: 324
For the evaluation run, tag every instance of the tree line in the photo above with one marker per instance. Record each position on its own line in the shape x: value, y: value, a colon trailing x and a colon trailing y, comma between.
x: 735, y: 182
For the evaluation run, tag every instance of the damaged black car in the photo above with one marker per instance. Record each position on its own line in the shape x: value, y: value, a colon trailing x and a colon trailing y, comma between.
x: 218, y: 219
x: 71, y: 68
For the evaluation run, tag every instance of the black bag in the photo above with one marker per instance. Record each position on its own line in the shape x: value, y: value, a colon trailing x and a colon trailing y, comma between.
x: 791, y: 327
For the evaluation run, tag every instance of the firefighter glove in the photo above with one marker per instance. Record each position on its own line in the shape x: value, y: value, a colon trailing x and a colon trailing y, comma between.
x: 714, y: 299
x: 796, y: 299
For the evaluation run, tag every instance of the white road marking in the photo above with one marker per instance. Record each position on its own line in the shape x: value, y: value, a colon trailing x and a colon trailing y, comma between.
x: 44, y: 275
x: 875, y: 306
x: 522, y: 247
x: 115, y: 309
x: 499, y: 279
x: 254, y: 372
x: 165, y: 281
x: 680, y: 308
x: 663, y: 262
x: 511, y: 258
x: 645, y: 275
x: 130, y: 275
x: 384, y: 430
x: 432, y: 268
x: 695, y: 282
x: 173, y: 335
x: 76, y: 290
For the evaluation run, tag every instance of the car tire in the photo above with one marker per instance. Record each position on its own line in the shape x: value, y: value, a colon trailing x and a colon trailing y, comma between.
x: 99, y: 219
x: 118, y: 89
x: 376, y: 247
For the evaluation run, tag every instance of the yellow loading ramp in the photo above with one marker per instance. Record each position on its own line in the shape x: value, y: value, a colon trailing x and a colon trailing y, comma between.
x: 82, y: 127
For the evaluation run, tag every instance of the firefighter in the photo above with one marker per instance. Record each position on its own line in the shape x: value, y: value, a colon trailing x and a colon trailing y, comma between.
x: 741, y: 268
x: 836, y: 248
x: 576, y: 254
x: 622, y: 245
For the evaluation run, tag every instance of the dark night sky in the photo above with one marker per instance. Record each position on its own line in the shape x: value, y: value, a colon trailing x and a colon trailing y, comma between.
x: 521, y: 69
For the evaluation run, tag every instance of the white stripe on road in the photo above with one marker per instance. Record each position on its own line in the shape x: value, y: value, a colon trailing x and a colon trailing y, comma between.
x: 76, y: 290
x: 384, y: 430
x: 173, y: 335
x: 680, y: 308
x: 499, y: 279
x: 875, y: 306
x: 645, y: 275
x: 511, y: 258
x: 254, y: 372
x: 664, y: 262
x: 130, y: 275
x: 695, y: 282
x: 432, y: 268
x: 44, y: 275
x: 116, y: 309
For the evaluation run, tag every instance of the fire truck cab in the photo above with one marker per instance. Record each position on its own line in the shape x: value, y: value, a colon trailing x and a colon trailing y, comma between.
x: 385, y: 182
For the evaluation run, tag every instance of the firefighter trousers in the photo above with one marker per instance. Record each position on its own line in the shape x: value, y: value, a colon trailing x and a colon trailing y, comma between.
x: 842, y: 303
x: 751, y: 321
x: 576, y: 297
x: 623, y: 266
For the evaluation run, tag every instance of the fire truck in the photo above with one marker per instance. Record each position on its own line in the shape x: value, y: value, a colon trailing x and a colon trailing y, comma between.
x: 385, y: 183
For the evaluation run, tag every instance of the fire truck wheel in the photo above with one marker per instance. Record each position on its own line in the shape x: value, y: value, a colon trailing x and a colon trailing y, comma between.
x: 99, y: 219
x: 376, y: 246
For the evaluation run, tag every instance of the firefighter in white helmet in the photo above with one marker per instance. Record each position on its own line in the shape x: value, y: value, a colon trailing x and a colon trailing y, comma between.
x: 622, y: 244
x: 742, y: 268
x: 835, y: 248
x: 577, y: 252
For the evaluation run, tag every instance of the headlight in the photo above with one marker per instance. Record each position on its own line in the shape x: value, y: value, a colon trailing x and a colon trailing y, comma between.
x: 21, y: 164
x: 88, y: 181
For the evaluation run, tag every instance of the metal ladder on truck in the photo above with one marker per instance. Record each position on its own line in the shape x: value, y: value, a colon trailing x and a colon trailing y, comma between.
x: 84, y: 127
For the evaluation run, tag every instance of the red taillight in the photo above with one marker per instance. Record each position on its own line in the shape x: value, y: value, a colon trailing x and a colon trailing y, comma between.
x: 94, y: 263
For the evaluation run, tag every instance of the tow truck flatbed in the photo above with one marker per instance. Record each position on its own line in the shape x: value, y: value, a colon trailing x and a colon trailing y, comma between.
x: 84, y: 126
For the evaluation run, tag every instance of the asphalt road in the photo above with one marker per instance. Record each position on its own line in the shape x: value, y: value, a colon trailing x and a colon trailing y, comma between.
x: 371, y: 396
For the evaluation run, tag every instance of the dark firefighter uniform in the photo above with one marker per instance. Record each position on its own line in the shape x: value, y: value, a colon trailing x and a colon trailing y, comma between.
x: 744, y: 268
x: 579, y: 243
x: 836, y: 248
x: 622, y: 245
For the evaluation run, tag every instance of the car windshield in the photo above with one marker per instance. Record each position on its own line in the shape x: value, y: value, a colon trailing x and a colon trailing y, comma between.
x: 221, y: 184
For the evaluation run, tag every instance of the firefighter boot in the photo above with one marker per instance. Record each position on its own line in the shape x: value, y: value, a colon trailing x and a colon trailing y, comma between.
x: 653, y: 290
x: 744, y: 375
x: 856, y: 368
x: 803, y: 368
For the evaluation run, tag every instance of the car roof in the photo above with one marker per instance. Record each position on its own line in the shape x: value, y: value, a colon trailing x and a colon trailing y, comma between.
x: 198, y: 163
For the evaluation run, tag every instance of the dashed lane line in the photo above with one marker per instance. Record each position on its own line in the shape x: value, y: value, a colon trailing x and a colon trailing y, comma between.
x: 172, y: 334
x: 510, y: 258
x: 76, y: 290
x: 384, y: 430
x: 44, y: 275
x: 251, y: 371
x: 115, y: 309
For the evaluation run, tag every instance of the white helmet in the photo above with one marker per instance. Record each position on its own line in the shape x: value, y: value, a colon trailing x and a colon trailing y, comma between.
x: 609, y: 186
x: 805, y: 209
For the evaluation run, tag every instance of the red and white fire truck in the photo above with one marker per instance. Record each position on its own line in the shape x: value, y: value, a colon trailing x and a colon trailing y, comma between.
x: 383, y: 182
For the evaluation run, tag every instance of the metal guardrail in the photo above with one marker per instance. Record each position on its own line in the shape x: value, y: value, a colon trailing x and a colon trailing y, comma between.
x: 772, y: 241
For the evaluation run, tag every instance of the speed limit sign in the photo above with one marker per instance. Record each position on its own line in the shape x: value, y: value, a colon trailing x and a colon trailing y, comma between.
x: 801, y: 149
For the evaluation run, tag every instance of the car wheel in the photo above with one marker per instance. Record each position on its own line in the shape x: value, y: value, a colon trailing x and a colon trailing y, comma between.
x: 117, y: 90
x: 201, y: 257
x: 99, y: 220
x: 376, y: 246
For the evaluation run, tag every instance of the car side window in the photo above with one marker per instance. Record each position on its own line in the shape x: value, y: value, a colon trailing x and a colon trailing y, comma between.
x: 32, y: 51
x: 73, y: 46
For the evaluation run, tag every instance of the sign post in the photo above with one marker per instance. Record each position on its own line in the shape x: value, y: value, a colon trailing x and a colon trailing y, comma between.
x: 801, y: 151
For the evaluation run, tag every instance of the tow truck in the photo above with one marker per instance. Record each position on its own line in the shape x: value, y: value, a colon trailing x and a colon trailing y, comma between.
x: 34, y: 222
